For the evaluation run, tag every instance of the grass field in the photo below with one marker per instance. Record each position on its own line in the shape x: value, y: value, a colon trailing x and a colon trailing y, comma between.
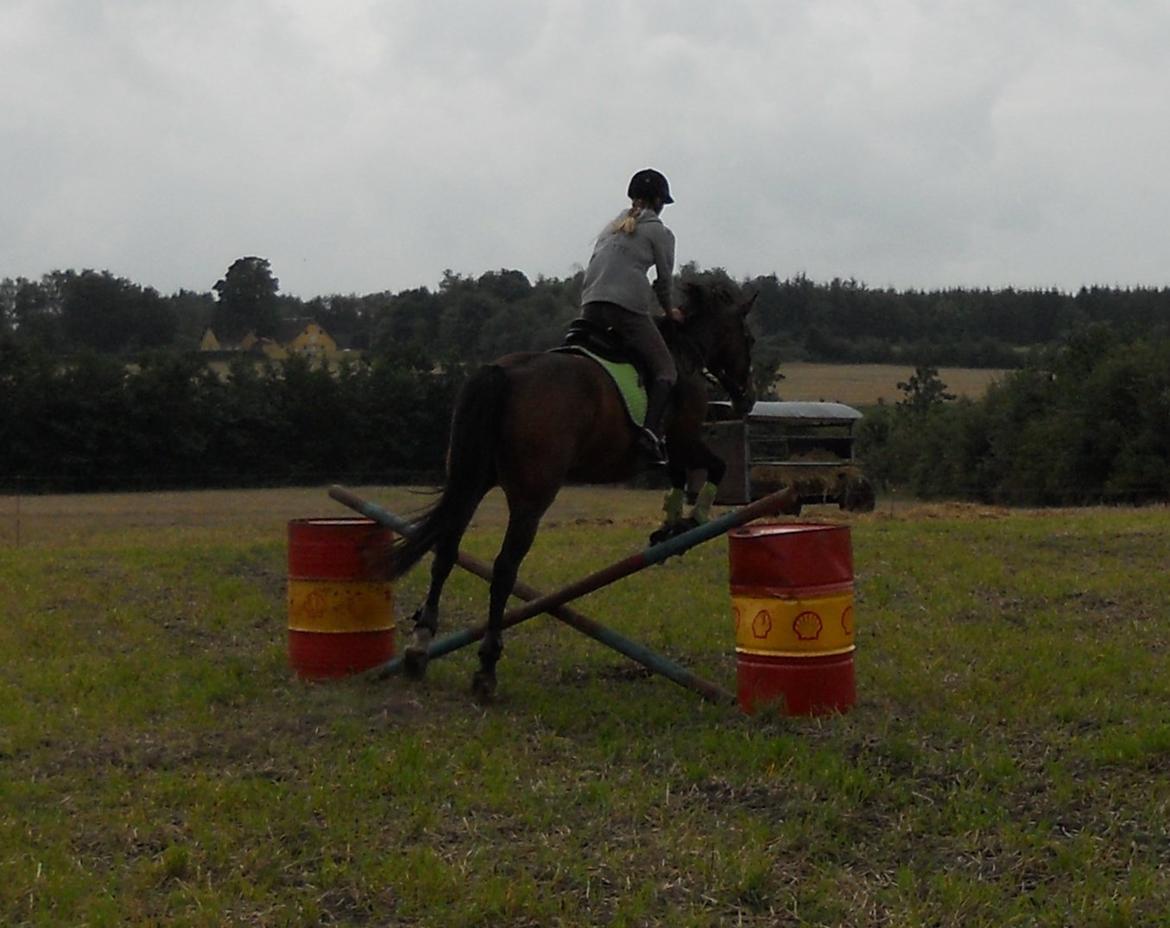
x: 865, y: 384
x: 1005, y: 765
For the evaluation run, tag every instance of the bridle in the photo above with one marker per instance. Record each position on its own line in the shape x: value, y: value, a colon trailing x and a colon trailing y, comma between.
x: 737, y: 392
x: 718, y: 376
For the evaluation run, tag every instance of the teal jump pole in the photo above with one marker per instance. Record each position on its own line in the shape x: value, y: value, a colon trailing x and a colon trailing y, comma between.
x: 555, y: 603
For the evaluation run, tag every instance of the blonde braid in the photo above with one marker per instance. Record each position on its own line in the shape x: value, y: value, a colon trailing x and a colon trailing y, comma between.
x: 629, y: 222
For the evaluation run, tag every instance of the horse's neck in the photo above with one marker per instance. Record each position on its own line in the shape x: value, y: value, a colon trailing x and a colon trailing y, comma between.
x: 691, y: 346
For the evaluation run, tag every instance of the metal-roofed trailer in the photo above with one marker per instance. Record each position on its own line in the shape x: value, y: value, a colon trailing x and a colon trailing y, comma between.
x: 781, y: 443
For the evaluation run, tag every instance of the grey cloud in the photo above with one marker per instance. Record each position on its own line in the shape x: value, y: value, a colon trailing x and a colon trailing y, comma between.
x: 366, y: 145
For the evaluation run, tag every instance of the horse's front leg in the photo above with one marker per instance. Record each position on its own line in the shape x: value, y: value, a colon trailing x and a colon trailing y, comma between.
x: 705, y: 459
x: 672, y: 504
x: 522, y: 525
x: 687, y: 457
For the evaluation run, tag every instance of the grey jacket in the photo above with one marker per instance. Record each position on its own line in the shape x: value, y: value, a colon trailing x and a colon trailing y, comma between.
x: 617, y: 270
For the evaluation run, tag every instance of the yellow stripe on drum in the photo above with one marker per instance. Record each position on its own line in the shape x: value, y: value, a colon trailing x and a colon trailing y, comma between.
x: 340, y: 606
x: 823, y: 625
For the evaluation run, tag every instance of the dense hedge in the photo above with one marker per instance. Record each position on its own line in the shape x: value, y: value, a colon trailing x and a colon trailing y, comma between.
x: 94, y: 423
x: 1085, y: 421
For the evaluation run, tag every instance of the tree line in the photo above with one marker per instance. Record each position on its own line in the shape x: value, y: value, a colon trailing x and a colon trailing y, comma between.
x: 1087, y: 420
x: 102, y: 386
x: 469, y: 319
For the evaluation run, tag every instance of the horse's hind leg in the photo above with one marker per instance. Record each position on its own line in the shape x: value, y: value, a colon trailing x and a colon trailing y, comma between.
x: 426, y: 617
x: 523, y: 521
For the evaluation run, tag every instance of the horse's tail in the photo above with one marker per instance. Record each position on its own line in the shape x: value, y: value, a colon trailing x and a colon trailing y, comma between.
x: 471, y: 466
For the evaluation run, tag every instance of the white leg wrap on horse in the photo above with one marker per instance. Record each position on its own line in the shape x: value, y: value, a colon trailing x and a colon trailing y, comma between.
x: 702, y: 511
x: 672, y: 505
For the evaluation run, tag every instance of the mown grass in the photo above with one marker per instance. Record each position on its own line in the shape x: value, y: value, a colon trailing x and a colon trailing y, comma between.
x: 867, y: 384
x: 1005, y: 764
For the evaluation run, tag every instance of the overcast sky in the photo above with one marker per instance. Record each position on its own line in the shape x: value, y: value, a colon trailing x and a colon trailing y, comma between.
x: 364, y: 146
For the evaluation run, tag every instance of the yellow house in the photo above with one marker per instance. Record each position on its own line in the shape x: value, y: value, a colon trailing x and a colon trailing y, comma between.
x: 294, y: 336
x: 306, y: 337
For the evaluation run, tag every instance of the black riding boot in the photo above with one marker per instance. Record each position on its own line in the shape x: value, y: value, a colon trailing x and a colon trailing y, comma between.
x: 657, y: 399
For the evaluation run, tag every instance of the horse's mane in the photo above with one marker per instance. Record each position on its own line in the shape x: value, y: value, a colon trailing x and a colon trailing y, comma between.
x: 706, y: 297
x: 705, y: 292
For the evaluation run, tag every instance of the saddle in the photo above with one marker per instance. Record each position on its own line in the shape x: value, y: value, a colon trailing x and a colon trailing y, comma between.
x: 602, y: 344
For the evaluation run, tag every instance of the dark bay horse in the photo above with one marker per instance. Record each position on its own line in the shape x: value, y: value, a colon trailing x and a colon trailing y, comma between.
x: 531, y: 422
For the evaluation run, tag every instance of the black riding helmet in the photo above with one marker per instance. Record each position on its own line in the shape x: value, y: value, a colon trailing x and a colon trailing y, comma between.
x: 649, y: 184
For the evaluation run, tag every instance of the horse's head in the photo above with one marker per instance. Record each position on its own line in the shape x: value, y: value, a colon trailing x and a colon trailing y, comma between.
x: 716, y: 319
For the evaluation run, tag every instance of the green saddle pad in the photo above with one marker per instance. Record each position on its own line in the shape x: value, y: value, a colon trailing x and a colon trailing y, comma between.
x: 625, y: 378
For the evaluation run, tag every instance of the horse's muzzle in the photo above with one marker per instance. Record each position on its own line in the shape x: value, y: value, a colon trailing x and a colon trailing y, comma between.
x: 742, y: 403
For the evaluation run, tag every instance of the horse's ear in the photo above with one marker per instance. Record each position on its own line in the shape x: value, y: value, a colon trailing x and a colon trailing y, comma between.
x: 746, y: 306
x: 692, y: 297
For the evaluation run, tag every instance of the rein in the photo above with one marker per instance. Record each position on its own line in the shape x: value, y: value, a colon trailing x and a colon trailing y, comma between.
x: 688, y: 353
x: 692, y: 355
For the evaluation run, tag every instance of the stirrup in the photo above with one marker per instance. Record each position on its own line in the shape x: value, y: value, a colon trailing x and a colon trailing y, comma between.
x: 652, y: 446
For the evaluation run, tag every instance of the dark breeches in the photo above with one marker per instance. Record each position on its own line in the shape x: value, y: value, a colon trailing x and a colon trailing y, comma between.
x: 639, y: 332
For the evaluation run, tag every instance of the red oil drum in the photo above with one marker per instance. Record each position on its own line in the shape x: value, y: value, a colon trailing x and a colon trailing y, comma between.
x: 792, y: 601
x: 340, y: 599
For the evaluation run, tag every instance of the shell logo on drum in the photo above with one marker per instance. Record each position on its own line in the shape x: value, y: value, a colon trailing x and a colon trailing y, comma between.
x: 738, y: 615
x: 808, y: 626
x: 313, y: 606
x: 797, y: 580
x: 340, y: 604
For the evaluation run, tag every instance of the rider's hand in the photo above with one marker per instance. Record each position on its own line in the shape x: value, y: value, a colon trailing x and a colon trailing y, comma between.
x: 676, y: 313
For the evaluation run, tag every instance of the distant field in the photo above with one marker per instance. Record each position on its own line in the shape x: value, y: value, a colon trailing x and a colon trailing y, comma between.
x: 865, y: 384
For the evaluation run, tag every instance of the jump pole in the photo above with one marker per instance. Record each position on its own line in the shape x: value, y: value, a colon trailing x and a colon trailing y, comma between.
x: 571, y: 617
x: 555, y: 602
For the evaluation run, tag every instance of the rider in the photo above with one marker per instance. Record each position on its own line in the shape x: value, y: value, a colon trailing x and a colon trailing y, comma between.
x: 618, y: 295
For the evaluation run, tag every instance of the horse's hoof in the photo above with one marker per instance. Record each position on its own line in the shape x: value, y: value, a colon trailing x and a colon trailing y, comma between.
x: 414, y: 662
x: 416, y: 656
x: 483, y: 686
x: 667, y: 532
